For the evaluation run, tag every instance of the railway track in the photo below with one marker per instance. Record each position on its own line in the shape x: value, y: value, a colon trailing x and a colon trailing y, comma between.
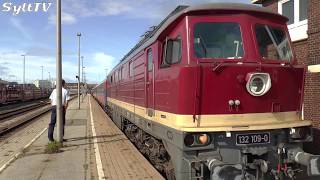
x: 6, y: 114
x: 14, y: 118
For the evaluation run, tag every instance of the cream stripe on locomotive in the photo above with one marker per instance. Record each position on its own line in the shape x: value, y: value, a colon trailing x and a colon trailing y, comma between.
x: 225, y: 122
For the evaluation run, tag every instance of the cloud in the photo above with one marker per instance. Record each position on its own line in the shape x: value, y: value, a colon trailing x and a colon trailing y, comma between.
x: 141, y: 9
x: 11, y: 66
x: 101, y: 61
x: 96, y: 67
x: 111, y: 8
x: 17, y: 24
x: 45, y: 50
x: 86, y: 8
x: 145, y: 9
x: 66, y: 18
x: 3, y: 70
x: 12, y: 61
x: 104, y: 59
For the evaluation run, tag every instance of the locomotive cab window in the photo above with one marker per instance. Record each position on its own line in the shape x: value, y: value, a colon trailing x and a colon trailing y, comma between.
x: 172, y: 52
x: 273, y: 43
x: 218, y: 40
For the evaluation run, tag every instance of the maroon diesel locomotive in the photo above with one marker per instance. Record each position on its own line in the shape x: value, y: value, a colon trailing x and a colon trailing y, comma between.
x: 214, y: 92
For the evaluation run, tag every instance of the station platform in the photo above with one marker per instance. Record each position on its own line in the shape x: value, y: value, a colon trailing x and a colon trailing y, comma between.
x: 94, y: 149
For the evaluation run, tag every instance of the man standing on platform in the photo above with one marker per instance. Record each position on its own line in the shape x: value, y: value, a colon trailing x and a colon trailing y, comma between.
x: 65, y: 99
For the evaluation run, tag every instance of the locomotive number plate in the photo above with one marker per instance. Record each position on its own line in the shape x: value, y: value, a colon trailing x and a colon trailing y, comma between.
x: 255, y: 138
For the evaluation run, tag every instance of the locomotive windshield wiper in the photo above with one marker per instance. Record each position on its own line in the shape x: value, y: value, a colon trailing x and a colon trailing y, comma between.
x: 202, y: 44
x: 279, y: 47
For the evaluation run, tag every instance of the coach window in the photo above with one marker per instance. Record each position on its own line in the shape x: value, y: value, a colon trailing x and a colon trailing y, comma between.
x: 172, y: 52
x: 150, y: 62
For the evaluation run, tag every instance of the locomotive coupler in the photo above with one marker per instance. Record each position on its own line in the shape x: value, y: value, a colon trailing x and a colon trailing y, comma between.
x: 296, y: 155
x: 221, y: 171
x: 312, y: 162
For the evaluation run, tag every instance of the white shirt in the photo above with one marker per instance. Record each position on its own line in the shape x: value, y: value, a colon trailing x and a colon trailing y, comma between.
x: 65, y: 97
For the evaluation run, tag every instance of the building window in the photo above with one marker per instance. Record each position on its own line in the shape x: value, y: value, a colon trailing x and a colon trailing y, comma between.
x: 297, y: 13
x: 288, y: 10
x: 303, y: 9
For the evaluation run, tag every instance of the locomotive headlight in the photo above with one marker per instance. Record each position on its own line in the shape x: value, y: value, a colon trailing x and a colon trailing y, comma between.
x: 202, y: 139
x: 258, y: 84
x: 197, y: 139
x: 301, y: 133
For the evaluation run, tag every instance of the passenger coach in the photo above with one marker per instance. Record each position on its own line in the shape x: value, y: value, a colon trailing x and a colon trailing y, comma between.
x: 215, y: 92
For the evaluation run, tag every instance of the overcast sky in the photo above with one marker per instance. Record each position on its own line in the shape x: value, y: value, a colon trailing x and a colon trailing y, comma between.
x: 110, y: 28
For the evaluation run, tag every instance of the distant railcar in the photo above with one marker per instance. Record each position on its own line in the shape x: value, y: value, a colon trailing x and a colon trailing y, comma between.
x: 99, y: 92
x: 2, y: 93
x: 13, y: 93
x: 28, y: 92
x: 214, y: 92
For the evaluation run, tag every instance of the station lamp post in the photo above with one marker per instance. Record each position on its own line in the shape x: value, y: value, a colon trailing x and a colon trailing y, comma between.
x: 82, y: 67
x: 41, y: 83
x: 24, y: 70
x: 82, y: 75
x: 49, y: 79
x: 59, y: 73
x: 79, y: 35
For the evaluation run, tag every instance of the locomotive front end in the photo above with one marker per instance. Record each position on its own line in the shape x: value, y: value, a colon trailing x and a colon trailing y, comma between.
x: 248, y: 101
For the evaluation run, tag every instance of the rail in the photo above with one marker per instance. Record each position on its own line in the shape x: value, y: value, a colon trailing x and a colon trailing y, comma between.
x: 4, y: 115
x: 14, y: 119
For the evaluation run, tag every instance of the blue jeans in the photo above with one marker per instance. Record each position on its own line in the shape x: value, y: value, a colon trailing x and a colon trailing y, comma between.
x: 53, y: 122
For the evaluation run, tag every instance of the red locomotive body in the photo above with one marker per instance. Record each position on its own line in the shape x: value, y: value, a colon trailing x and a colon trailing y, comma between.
x: 214, y: 88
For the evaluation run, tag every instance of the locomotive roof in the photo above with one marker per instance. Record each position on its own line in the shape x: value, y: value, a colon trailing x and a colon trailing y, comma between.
x: 151, y: 36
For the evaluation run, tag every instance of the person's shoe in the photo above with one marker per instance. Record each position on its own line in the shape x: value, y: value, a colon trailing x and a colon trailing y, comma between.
x: 51, y: 140
x: 64, y: 140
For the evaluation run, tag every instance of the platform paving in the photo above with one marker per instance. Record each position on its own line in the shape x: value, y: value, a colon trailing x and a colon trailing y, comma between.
x: 71, y: 163
x: 120, y: 159
x: 12, y: 144
x: 78, y: 159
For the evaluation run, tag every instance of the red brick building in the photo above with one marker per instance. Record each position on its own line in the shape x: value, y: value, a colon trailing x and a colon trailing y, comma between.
x: 304, y: 29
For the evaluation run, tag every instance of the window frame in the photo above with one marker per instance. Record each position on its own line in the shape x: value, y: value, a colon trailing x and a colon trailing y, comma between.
x: 257, y: 44
x: 297, y: 30
x: 121, y: 73
x: 148, y: 63
x: 282, y: 2
x: 221, y: 19
x: 131, y: 70
x: 164, y: 48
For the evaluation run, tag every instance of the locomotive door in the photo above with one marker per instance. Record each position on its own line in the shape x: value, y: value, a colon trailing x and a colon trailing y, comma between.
x: 150, y: 84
